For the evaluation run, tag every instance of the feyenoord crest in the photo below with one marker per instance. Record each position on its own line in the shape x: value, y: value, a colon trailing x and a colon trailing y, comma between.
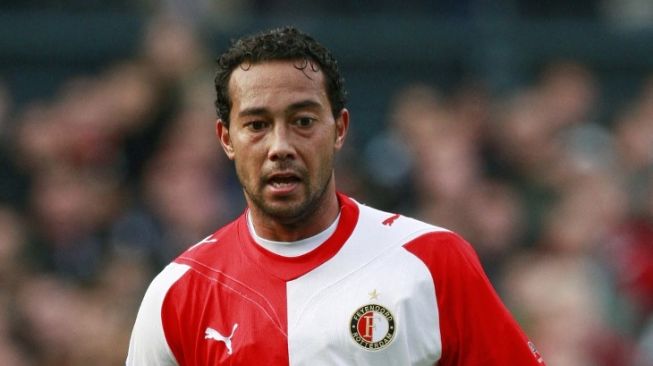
x: 373, y: 327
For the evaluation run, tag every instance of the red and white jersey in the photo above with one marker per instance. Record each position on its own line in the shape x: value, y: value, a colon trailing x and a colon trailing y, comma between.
x: 383, y: 289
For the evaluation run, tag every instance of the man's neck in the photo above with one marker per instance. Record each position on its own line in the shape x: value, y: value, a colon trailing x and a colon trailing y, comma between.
x: 293, y: 248
x: 318, y: 220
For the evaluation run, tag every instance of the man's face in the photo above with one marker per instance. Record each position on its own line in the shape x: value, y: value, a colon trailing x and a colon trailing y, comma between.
x: 282, y: 137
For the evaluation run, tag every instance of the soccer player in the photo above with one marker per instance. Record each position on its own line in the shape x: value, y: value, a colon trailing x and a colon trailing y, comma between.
x: 307, y: 275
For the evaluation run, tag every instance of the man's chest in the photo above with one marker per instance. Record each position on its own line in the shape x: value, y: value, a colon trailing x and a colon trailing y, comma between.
x: 366, y: 312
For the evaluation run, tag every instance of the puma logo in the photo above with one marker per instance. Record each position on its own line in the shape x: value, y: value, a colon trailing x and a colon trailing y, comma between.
x: 213, y: 334
x: 390, y: 220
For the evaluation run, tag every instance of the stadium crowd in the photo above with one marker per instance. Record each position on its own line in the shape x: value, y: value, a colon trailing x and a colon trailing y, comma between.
x: 118, y: 172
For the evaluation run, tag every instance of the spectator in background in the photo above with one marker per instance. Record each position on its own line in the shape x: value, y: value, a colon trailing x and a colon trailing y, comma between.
x: 184, y: 192
x: 557, y: 202
x: 84, y: 153
x: 390, y: 156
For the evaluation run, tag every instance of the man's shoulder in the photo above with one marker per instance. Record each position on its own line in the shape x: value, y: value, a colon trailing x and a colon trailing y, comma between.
x: 395, y: 224
x: 381, y: 229
x: 210, y: 247
x: 412, y: 232
x: 207, y: 255
x: 444, y: 251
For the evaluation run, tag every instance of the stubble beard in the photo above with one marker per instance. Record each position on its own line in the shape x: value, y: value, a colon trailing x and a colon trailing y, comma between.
x: 290, y: 212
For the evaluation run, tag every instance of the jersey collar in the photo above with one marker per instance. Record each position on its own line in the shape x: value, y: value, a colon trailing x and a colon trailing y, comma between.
x: 289, y: 268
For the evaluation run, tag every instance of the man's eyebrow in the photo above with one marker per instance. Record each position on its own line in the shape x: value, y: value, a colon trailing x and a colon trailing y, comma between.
x: 304, y: 104
x: 254, y: 111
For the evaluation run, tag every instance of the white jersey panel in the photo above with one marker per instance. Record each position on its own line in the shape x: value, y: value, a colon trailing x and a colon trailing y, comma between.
x: 148, y: 346
x: 373, y: 303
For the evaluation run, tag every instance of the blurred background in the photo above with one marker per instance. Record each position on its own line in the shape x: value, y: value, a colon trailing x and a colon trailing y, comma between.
x: 526, y: 126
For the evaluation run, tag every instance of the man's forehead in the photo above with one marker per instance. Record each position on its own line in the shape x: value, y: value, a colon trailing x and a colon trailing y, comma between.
x: 298, y: 63
x: 271, y: 69
x: 251, y: 79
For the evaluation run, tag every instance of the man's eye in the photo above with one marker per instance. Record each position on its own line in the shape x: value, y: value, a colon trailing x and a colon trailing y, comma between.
x: 305, y: 121
x: 256, y: 125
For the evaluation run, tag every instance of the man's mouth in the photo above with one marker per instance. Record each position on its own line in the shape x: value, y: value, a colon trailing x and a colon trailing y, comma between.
x: 283, y: 180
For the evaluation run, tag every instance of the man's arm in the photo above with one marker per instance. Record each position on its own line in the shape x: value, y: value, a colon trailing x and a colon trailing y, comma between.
x: 475, y: 326
x: 148, y: 345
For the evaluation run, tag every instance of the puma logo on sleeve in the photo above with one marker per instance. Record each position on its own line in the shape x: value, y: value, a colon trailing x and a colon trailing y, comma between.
x: 213, y: 334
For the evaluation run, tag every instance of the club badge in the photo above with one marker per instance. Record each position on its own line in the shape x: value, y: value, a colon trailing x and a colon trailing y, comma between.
x: 372, y: 327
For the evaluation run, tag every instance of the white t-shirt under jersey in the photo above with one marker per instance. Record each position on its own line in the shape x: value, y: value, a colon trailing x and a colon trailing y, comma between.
x: 292, y: 248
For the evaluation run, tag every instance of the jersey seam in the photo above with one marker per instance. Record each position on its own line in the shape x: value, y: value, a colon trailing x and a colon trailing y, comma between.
x: 277, y: 321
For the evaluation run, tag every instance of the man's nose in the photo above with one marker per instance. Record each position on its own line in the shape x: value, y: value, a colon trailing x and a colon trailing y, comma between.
x: 281, y: 147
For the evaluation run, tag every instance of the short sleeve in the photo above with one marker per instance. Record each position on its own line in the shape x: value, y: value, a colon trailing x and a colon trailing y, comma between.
x: 475, y: 326
x: 148, y: 345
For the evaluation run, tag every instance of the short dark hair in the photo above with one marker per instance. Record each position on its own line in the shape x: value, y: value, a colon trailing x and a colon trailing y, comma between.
x: 286, y: 43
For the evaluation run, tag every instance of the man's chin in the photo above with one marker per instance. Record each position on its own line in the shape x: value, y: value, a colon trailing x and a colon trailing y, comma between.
x: 285, y: 211
x: 291, y: 208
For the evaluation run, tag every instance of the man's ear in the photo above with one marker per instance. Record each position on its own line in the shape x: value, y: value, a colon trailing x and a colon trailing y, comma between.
x: 222, y: 132
x: 342, y: 126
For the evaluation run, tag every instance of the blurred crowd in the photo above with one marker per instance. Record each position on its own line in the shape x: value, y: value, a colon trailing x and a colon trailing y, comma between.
x: 113, y: 176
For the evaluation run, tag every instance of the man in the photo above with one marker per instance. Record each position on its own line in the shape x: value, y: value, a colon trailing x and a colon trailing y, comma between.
x: 309, y: 276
